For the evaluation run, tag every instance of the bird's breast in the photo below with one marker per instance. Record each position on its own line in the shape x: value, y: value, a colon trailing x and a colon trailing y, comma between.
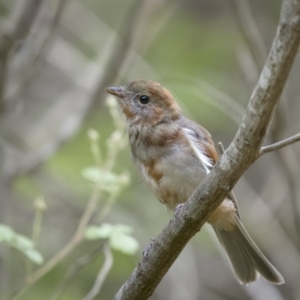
x: 171, y: 169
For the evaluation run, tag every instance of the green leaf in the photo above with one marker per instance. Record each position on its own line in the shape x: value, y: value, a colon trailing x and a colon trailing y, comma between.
x: 91, y: 233
x: 22, y: 242
x: 103, y: 231
x: 122, y: 228
x: 118, y: 236
x: 34, y: 256
x: 6, y: 234
x: 106, y: 230
x: 110, y: 182
x: 124, y: 243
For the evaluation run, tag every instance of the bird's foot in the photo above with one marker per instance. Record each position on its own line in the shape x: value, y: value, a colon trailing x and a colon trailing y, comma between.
x: 178, y: 209
x: 148, y: 247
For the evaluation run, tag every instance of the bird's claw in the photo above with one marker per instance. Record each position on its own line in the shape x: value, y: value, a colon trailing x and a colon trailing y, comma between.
x: 148, y: 247
x: 178, y: 209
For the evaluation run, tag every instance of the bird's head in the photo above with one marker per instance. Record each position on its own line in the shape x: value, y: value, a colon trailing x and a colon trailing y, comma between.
x: 146, y: 102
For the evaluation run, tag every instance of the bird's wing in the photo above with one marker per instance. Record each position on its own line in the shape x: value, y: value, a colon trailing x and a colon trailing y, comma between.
x: 201, y: 143
x: 203, y: 146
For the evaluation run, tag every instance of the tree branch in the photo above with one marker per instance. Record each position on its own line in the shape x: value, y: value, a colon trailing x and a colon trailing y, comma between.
x: 291, y: 140
x: 108, y: 262
x: 43, y: 51
x: 74, y: 270
x: 120, y: 52
x: 286, y: 161
x: 242, y: 152
x: 76, y: 239
x: 16, y: 32
x: 248, y: 25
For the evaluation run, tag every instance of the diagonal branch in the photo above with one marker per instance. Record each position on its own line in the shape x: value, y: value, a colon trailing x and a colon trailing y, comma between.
x: 250, y: 31
x: 16, y: 32
x: 120, y: 53
x: 242, y: 152
x: 254, y: 39
x: 291, y: 140
x: 108, y: 262
x: 76, y: 239
x: 73, y: 272
x: 43, y: 51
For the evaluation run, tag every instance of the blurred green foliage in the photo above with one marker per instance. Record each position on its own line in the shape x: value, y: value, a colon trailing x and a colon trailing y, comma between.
x: 25, y: 245
x: 192, y: 44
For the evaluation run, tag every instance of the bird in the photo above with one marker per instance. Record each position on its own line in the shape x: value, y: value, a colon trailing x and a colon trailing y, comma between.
x: 173, y: 154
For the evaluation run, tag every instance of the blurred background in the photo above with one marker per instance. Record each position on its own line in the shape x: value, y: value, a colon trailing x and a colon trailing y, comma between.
x: 74, y: 216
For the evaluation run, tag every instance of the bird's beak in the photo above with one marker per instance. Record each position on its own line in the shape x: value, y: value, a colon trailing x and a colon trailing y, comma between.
x: 116, y: 91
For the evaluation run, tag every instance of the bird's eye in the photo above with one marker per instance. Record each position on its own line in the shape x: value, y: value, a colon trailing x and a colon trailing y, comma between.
x: 144, y: 99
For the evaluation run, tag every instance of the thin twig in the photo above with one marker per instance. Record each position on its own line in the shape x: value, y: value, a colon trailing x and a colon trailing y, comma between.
x: 61, y: 7
x: 74, y: 270
x: 210, y: 94
x: 121, y: 50
x: 5, y: 46
x: 43, y: 51
x: 16, y: 32
x: 252, y: 35
x: 68, y: 248
x: 75, y: 240
x: 108, y: 262
x: 290, y: 164
x: 291, y: 140
x: 117, y: 144
x: 220, y: 100
x: 23, y: 15
x: 248, y: 25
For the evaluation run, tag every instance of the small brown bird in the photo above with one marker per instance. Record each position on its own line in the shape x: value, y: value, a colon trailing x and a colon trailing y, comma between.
x: 173, y: 154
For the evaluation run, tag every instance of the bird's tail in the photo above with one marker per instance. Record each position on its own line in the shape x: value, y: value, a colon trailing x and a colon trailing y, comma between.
x: 246, y: 259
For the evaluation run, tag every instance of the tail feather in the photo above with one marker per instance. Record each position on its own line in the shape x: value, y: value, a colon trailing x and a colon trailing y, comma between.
x: 245, y: 257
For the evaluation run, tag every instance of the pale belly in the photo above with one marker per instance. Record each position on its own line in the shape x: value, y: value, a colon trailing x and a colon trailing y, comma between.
x: 180, y: 177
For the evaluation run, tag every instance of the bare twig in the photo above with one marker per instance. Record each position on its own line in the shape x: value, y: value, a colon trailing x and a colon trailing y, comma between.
x: 221, y: 100
x: 44, y: 49
x: 254, y: 39
x: 212, y: 95
x: 61, y: 7
x: 74, y: 269
x: 241, y: 153
x: 108, y: 262
x: 114, y: 144
x: 121, y: 49
x: 21, y: 19
x: 291, y: 140
x: 131, y: 32
x: 16, y: 32
x: 288, y: 163
x: 5, y: 46
x: 249, y: 29
x: 248, y: 65
x: 74, y: 242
